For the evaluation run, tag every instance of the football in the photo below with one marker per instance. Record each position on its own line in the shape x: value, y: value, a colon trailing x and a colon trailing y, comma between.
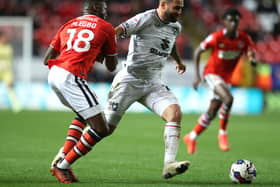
x: 243, y: 171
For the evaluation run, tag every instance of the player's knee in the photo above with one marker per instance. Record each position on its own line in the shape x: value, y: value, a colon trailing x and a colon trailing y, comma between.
x: 99, y: 124
x: 97, y: 133
x: 112, y: 118
x: 80, y: 118
x: 101, y: 129
x: 229, y: 100
x: 212, y: 115
x: 173, y: 113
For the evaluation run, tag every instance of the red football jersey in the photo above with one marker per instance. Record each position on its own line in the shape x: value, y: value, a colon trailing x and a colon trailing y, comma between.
x: 225, y: 52
x: 79, y: 42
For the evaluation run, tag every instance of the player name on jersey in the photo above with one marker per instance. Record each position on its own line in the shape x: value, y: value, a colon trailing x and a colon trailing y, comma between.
x: 83, y: 24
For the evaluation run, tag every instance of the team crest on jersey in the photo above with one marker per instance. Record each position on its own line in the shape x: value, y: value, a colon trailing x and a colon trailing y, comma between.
x: 113, y: 106
x: 221, y: 45
x: 175, y: 30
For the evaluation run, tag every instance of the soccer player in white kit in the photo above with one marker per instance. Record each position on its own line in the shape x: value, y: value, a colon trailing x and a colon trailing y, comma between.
x: 152, y: 39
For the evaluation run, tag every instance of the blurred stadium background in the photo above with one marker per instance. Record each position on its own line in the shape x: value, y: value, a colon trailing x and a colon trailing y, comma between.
x: 30, y: 25
x: 133, y: 155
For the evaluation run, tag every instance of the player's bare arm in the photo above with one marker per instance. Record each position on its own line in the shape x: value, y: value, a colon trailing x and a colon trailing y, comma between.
x: 119, y: 31
x: 197, y: 55
x: 111, y: 62
x: 180, y: 66
x: 50, y: 54
x: 252, y: 57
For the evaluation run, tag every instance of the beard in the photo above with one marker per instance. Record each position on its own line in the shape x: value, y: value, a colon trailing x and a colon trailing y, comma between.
x: 171, y: 17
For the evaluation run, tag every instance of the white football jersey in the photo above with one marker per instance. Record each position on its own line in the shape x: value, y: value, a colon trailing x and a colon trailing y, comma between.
x: 151, y: 42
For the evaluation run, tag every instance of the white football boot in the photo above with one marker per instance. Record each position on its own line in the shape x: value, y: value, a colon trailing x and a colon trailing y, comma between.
x: 174, y: 168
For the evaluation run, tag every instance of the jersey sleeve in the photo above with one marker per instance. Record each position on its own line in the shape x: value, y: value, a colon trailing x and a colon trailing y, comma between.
x: 209, y: 42
x: 134, y: 24
x: 179, y: 29
x: 110, y: 46
x: 55, y: 43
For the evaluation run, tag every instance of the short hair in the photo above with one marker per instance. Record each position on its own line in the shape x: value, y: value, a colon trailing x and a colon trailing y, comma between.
x: 168, y: 1
x: 231, y: 12
x: 89, y: 3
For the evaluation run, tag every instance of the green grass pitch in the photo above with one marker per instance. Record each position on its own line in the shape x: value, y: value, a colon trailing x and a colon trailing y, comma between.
x: 133, y: 155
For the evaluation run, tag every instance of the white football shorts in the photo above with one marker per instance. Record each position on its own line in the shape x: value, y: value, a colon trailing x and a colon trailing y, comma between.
x: 212, y: 81
x: 74, y: 92
x: 155, y: 97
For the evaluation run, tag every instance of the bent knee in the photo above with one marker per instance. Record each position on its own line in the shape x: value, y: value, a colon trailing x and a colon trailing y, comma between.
x: 172, y: 113
x: 212, y: 115
x: 229, y: 100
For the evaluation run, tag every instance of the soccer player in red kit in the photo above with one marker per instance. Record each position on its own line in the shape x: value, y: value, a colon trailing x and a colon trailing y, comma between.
x: 71, y: 55
x: 227, y: 46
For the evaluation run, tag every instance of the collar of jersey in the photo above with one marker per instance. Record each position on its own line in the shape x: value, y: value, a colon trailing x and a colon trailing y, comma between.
x: 236, y: 36
x: 161, y: 21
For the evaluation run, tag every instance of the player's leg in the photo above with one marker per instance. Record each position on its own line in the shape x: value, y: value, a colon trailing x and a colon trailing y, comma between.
x: 8, y: 80
x: 204, y: 120
x: 172, y: 116
x: 75, y: 93
x: 92, y: 136
x: 74, y: 134
x: 120, y: 97
x: 164, y: 103
x: 224, y: 93
x: 97, y: 131
x: 202, y: 124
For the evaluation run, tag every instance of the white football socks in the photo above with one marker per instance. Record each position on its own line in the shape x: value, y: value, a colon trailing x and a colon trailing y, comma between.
x: 221, y: 131
x: 193, y: 135
x: 171, y: 140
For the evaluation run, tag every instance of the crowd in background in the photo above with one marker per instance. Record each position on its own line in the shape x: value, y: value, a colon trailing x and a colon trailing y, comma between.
x: 261, y: 19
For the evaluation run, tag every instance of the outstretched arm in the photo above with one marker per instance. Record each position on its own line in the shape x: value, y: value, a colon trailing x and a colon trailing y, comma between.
x: 252, y: 57
x: 119, y: 31
x: 180, y: 66
x: 111, y: 62
x: 197, y: 54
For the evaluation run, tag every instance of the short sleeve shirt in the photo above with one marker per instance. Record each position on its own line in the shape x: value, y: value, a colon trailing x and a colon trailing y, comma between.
x: 225, y: 52
x: 79, y: 42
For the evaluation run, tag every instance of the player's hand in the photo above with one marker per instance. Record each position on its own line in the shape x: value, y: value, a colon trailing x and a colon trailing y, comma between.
x: 181, y: 68
x: 253, y: 63
x: 100, y: 58
x: 196, y: 82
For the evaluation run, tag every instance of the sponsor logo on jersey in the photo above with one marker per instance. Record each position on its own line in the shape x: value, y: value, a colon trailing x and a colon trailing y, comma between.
x: 113, y: 106
x: 228, y: 55
x: 165, y: 44
x: 175, y: 30
x: 159, y: 53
